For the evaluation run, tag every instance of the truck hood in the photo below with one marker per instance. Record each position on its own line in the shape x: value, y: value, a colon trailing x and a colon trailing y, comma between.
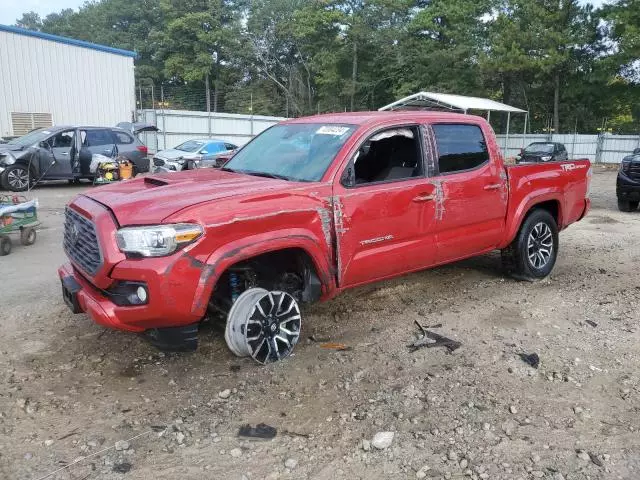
x: 151, y: 199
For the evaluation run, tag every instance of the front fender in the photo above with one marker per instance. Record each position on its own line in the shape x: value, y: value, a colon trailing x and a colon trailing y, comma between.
x: 516, y: 216
x: 231, y: 253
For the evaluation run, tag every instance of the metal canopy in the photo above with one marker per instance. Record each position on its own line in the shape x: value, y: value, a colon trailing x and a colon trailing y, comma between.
x: 447, y: 101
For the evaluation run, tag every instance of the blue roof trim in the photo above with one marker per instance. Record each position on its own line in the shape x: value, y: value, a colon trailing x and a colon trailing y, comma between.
x: 67, y: 40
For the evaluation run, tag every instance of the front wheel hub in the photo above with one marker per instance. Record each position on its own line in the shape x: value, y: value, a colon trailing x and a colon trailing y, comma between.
x: 263, y: 325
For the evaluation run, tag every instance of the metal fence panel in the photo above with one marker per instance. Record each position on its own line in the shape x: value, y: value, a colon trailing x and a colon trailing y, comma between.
x: 177, y: 126
x: 605, y: 148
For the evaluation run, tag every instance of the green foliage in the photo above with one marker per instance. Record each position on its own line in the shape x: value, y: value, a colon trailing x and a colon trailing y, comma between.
x: 296, y: 57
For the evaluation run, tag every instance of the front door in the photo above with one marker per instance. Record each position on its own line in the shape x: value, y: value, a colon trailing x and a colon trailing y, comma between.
x: 383, y: 205
x: 55, y: 161
x: 473, y: 192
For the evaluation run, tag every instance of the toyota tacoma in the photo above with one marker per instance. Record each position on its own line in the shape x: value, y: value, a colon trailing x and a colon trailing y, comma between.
x: 309, y: 208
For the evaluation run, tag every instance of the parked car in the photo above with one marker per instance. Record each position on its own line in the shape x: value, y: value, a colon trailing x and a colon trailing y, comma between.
x: 542, y: 152
x: 64, y: 152
x: 365, y: 197
x: 197, y: 153
x: 628, y: 182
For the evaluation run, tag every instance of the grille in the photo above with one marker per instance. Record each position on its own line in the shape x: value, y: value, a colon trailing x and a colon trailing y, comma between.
x: 158, y: 162
x: 81, y: 242
x: 634, y: 170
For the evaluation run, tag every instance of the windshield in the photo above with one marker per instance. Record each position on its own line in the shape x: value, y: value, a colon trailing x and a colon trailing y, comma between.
x: 539, y: 148
x: 31, y: 138
x: 295, y: 151
x: 190, y: 146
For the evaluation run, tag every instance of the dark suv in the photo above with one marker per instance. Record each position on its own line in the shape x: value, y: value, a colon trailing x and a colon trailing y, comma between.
x: 64, y: 153
x: 628, y: 183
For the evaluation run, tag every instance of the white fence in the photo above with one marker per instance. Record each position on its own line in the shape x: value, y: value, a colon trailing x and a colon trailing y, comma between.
x: 177, y: 126
x: 605, y: 148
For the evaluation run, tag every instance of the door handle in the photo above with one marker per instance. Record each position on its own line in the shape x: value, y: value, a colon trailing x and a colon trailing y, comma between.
x: 493, y: 186
x: 64, y: 153
x: 424, y: 198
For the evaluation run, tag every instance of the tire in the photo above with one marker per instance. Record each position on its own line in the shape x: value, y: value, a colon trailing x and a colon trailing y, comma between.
x: 532, y: 254
x: 264, y: 325
x: 17, y: 178
x: 627, y: 205
x: 28, y: 236
x: 5, y: 246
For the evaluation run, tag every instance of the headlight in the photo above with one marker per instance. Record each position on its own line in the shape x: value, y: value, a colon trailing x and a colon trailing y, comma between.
x: 180, y: 160
x: 546, y: 158
x: 7, y: 158
x: 157, y: 241
x: 624, y: 166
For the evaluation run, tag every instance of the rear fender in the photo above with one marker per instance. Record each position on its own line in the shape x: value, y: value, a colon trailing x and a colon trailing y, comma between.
x: 529, y: 202
x: 251, y: 246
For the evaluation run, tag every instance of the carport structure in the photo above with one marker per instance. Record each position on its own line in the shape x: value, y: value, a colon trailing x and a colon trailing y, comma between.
x: 457, y: 103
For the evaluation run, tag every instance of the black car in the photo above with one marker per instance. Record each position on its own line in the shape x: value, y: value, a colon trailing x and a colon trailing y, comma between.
x: 64, y: 153
x: 628, y: 183
x: 537, y: 152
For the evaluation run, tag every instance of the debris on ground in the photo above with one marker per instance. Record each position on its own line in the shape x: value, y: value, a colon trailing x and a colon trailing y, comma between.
x: 592, y: 323
x: 261, y: 430
x: 340, y: 347
x: 531, y: 359
x: 123, y: 467
x: 595, y: 460
x: 431, y: 339
x: 382, y: 440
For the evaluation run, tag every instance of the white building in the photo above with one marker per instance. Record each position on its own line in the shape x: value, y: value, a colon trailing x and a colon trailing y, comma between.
x: 50, y: 80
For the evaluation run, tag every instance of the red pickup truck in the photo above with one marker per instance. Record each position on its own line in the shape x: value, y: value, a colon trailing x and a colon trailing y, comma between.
x: 309, y: 208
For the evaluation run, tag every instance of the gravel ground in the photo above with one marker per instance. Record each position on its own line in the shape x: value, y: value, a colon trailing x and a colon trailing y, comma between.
x: 70, y: 389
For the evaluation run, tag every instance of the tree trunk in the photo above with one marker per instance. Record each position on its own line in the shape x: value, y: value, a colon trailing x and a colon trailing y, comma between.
x: 354, y: 73
x: 208, y: 91
x: 507, y: 84
x: 556, y: 103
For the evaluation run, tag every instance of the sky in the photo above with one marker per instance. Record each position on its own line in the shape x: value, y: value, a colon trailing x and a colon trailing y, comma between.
x: 11, y: 10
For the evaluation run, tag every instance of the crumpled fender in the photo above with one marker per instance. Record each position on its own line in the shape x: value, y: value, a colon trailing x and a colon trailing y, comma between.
x: 253, y: 245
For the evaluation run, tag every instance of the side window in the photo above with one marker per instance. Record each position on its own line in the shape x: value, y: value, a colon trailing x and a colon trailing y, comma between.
x: 212, y: 148
x: 460, y: 147
x: 96, y: 138
x: 230, y: 146
x: 392, y: 154
x: 62, y: 140
x: 122, y: 138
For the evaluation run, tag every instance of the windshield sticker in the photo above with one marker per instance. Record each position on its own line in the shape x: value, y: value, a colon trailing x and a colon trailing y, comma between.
x: 332, y: 130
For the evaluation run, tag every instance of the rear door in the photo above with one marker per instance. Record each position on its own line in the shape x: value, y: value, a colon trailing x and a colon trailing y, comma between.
x: 474, y: 192
x: 383, y: 208
x: 99, y: 141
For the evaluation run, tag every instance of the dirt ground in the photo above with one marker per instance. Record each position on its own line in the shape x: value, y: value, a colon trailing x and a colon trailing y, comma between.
x: 71, y: 389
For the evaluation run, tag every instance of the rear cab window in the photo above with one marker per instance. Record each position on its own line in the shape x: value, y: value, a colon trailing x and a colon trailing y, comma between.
x: 460, y: 147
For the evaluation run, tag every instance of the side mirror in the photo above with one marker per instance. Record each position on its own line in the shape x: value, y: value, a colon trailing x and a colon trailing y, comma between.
x: 349, y: 176
x: 45, y: 145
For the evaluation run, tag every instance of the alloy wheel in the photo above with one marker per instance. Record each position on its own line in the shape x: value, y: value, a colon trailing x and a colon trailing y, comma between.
x: 540, y: 245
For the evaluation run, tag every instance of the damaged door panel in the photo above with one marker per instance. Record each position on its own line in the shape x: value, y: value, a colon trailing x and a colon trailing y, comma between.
x: 473, y: 192
x: 384, y: 208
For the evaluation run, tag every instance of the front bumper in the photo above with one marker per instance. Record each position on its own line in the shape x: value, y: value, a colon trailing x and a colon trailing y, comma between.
x: 170, y: 300
x: 627, y: 188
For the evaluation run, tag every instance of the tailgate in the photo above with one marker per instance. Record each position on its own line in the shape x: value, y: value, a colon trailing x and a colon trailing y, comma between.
x: 566, y: 183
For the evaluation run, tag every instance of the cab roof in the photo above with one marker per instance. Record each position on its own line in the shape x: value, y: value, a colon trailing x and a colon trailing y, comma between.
x: 371, y: 118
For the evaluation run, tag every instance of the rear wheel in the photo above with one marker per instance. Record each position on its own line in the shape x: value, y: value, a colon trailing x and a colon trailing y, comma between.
x: 16, y: 178
x: 532, y: 255
x: 627, y: 205
x: 5, y: 246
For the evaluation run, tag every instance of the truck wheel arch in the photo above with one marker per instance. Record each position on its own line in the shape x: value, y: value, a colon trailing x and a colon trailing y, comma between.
x: 549, y: 203
x: 250, y: 247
